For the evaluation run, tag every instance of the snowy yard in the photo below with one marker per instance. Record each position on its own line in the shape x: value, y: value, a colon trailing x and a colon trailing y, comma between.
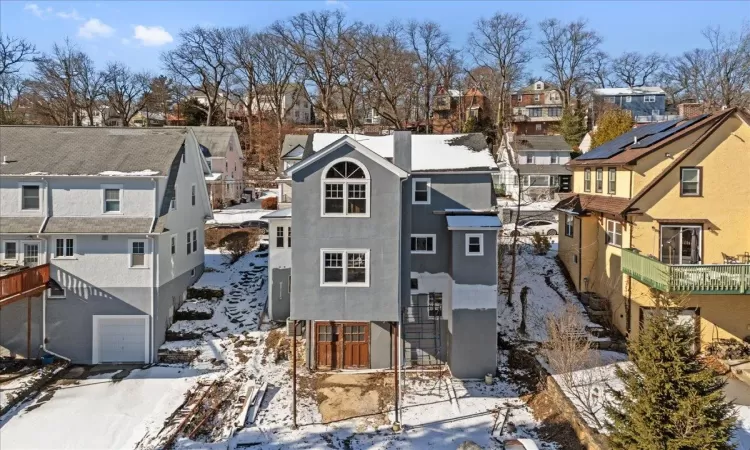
x: 244, y: 211
x: 98, y: 411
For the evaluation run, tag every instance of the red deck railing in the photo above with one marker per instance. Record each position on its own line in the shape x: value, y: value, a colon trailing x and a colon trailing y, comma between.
x: 29, y: 281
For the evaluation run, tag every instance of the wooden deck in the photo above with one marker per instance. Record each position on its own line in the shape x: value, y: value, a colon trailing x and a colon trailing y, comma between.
x: 28, y: 282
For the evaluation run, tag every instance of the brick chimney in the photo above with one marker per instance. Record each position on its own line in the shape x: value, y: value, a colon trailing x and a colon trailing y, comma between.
x: 688, y: 110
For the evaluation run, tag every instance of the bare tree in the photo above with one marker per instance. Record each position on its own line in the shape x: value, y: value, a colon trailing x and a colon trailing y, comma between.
x: 241, y: 50
x: 89, y: 87
x: 566, y: 47
x: 729, y: 60
x: 53, y: 83
x: 201, y: 60
x: 13, y: 53
x: 636, y: 69
x: 501, y: 42
x: 11, y: 89
x: 450, y: 68
x: 598, y: 70
x: 317, y: 39
x: 351, y: 83
x: 429, y: 43
x: 126, y: 91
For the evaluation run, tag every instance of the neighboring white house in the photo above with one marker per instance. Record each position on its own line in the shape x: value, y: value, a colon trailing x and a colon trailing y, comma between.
x: 223, y: 153
x: 292, y: 151
x: 118, y: 216
x: 296, y: 103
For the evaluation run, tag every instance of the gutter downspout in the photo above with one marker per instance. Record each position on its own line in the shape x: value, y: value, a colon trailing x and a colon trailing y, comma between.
x: 154, y: 267
x: 580, y: 253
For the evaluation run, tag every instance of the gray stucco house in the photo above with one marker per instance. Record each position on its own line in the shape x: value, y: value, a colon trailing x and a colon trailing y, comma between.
x: 647, y: 104
x: 118, y: 216
x: 395, y: 243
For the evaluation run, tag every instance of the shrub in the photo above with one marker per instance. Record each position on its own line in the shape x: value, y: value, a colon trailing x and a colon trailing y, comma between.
x: 270, y: 203
x: 236, y: 245
x: 541, y: 243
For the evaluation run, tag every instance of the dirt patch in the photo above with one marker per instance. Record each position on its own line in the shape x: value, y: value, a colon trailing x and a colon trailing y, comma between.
x: 343, y: 396
x: 554, y: 427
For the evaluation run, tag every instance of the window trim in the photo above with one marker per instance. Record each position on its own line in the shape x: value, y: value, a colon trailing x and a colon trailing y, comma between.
x: 649, y: 99
x: 193, y: 194
x: 587, y: 180
x: 553, y: 158
x: 571, y: 232
x: 610, y: 239
x: 481, y: 244
x: 628, y: 98
x: 345, y: 259
x: 65, y: 245
x: 5, y: 255
x: 346, y: 182
x: 700, y: 181
x: 424, y: 252
x: 599, y: 180
x: 279, y: 237
x: 194, y: 240
x: 173, y: 244
x: 681, y: 227
x: 23, y: 210
x: 289, y: 236
x: 414, y: 182
x: 104, y: 188
x: 611, y: 180
x: 173, y: 200
x: 130, y: 254
x: 529, y: 158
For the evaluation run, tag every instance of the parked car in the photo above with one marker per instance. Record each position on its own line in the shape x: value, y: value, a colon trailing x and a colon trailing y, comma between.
x: 247, y: 195
x: 529, y: 227
x: 259, y: 224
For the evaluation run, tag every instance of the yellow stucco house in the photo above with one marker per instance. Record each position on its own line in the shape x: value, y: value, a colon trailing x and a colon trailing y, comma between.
x: 665, y: 206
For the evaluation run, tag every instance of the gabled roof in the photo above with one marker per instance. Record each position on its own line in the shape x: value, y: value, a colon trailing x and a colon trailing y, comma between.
x: 524, y: 142
x: 214, y: 140
x: 348, y: 140
x: 38, y: 150
x: 291, y: 141
x: 295, y: 153
x: 639, y: 142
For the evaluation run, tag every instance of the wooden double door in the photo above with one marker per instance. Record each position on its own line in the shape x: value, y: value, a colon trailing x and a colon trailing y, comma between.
x: 342, y: 345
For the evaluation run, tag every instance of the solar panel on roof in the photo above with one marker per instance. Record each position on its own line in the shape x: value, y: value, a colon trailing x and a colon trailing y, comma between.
x: 666, y: 133
x: 618, y: 144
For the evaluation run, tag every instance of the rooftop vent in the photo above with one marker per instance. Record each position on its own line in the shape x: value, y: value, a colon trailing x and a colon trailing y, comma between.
x: 5, y: 160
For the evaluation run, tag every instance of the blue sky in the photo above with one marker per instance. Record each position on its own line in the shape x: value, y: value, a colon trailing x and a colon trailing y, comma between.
x: 135, y: 32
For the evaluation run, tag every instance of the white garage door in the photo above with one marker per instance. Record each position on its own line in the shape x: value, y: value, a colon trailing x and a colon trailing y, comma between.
x: 120, y: 339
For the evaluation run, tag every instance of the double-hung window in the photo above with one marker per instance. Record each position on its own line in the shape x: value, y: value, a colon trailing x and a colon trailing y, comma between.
x: 10, y: 250
x: 173, y: 202
x: 599, y: 179
x: 587, y: 180
x: 568, y: 225
x: 64, y: 247
x: 345, y: 268
x: 612, y: 181
x: 289, y: 237
x: 192, y: 194
x: 421, y: 191
x: 189, y: 243
x: 346, y: 190
x: 112, y: 199
x: 553, y: 159
x: 195, y: 241
x: 690, y: 182
x: 173, y: 241
x: 280, y: 237
x: 614, y: 233
x: 30, y: 197
x: 423, y: 243
x: 137, y: 253
x: 649, y: 99
x: 474, y: 244
x: 529, y: 158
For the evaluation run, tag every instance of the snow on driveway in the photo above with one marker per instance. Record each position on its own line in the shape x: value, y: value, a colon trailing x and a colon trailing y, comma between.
x: 99, y: 412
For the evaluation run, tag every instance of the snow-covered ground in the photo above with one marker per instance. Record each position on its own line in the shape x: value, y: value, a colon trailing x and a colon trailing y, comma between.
x: 98, y: 412
x: 526, y: 206
x: 243, y: 212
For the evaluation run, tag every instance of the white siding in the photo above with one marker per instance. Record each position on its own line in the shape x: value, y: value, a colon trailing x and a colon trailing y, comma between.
x: 79, y: 197
x: 544, y: 158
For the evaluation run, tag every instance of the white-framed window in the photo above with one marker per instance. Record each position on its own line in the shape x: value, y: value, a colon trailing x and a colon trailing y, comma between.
x: 112, y: 198
x: 553, y: 158
x: 599, y: 179
x: 612, y: 181
x: 539, y: 86
x: 681, y: 244
x: 193, y: 190
x: 421, y: 191
x: 189, y: 243
x: 345, y: 190
x: 10, y: 250
x: 423, y: 243
x: 474, y: 244
x: 609, y: 99
x: 289, y: 237
x: 568, y: 225
x: 280, y: 237
x: 349, y: 267
x: 649, y: 99
x: 173, y: 202
x: 64, y: 247
x: 690, y: 182
x: 538, y: 127
x: 55, y: 290
x: 173, y: 242
x: 195, y: 241
x: 536, y: 97
x: 137, y: 253
x: 614, y: 233
x: 529, y: 158
x: 587, y: 180
x: 31, y: 196
x: 520, y: 97
x: 628, y: 99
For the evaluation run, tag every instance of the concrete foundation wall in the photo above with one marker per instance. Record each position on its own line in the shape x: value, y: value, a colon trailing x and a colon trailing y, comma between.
x: 381, y: 345
x: 473, y: 343
x: 170, y: 297
x: 278, y: 294
x: 13, y: 328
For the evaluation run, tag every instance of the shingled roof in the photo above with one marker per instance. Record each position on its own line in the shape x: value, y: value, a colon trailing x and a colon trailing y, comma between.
x: 580, y: 204
x: 35, y: 150
x: 214, y: 139
x: 525, y: 142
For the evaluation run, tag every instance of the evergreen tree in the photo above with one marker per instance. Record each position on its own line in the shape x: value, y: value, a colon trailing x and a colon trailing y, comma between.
x: 671, y: 399
x: 613, y: 123
x: 573, y: 126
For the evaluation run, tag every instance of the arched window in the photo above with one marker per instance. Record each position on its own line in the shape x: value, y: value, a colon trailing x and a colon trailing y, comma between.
x: 346, y: 189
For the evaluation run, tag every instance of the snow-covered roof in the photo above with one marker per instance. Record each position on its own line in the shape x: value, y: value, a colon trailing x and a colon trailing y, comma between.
x: 429, y: 152
x: 644, y: 90
x: 454, y: 92
x: 213, y: 177
x: 474, y: 221
x: 279, y: 214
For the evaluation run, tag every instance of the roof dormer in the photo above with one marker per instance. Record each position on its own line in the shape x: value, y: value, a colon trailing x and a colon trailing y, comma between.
x: 539, y: 86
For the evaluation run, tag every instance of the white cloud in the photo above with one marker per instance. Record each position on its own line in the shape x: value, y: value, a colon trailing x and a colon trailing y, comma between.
x: 69, y: 15
x: 152, y: 36
x: 34, y: 9
x: 95, y: 28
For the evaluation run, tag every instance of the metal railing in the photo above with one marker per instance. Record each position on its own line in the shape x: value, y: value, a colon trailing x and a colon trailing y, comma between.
x: 687, y: 278
x: 24, y: 281
x: 655, y: 118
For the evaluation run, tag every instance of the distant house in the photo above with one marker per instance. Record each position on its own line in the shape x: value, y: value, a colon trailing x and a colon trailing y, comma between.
x: 537, y: 109
x: 221, y: 148
x: 292, y: 151
x: 541, y: 163
x: 296, y: 103
x: 451, y: 109
x: 101, y: 234
x: 646, y: 104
